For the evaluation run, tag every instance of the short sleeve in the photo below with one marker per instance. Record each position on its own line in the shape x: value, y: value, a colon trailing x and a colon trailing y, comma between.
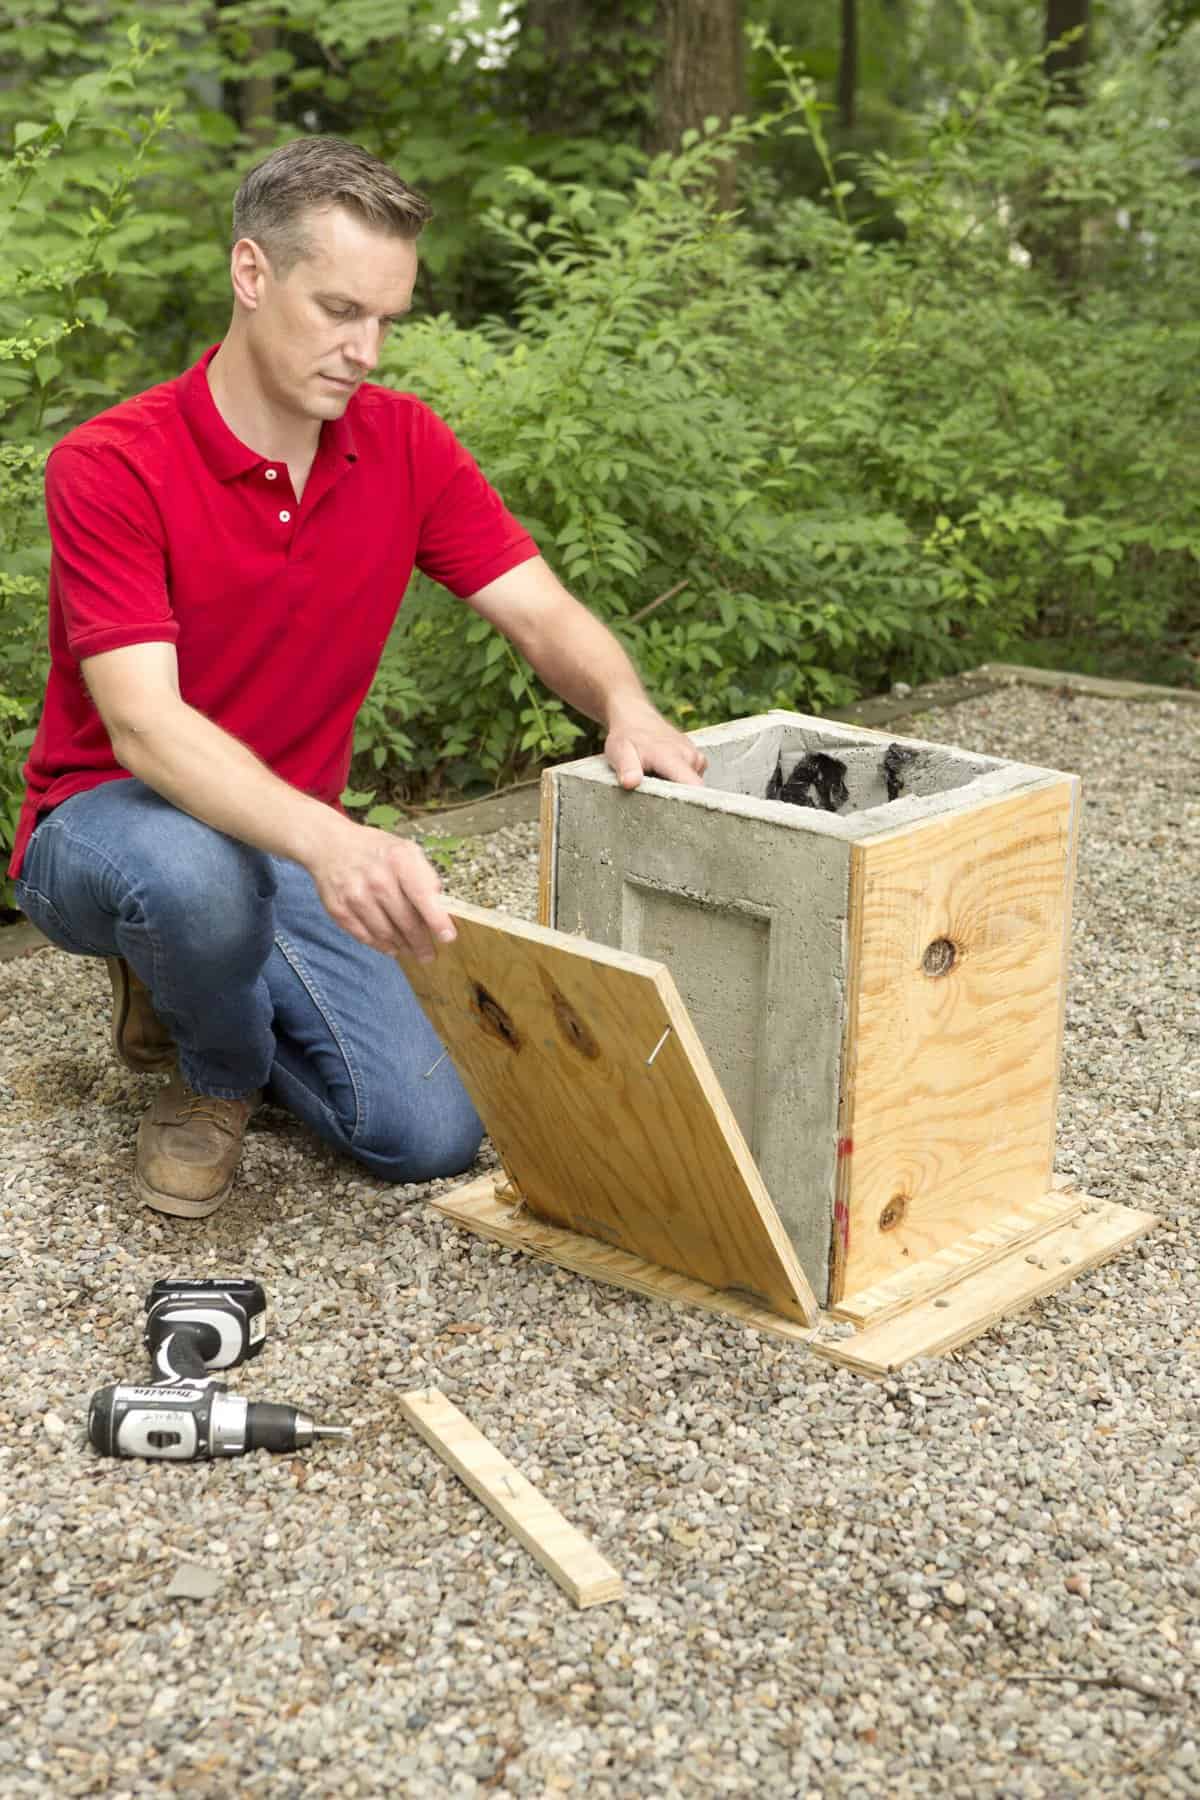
x: 467, y: 535
x: 108, y: 565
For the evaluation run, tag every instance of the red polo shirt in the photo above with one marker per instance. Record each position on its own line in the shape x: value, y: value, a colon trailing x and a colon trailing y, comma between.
x: 166, y: 528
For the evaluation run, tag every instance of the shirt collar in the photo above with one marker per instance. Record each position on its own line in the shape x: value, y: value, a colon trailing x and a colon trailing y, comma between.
x: 225, y: 454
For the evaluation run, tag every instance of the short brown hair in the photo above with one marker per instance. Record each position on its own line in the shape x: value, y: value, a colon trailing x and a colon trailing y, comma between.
x: 313, y: 174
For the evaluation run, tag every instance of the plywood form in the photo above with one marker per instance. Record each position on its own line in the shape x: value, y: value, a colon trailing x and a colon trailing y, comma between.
x: 967, y: 1256
x: 597, y: 1093
x: 949, y: 1080
x: 981, y: 1301
x: 563, y: 1552
x: 477, y: 1206
x: 548, y: 846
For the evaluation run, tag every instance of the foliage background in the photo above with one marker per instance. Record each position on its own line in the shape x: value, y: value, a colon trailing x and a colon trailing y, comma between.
x: 801, y: 404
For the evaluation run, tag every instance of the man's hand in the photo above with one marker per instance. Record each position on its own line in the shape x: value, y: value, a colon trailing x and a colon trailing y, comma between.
x: 641, y: 742
x: 382, y: 889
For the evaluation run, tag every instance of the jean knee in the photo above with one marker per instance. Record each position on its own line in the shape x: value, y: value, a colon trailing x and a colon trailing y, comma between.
x: 422, y: 1147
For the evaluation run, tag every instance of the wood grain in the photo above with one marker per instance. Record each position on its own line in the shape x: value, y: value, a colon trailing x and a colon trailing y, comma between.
x: 1016, y: 1230
x: 602, y: 1104
x: 485, y: 1207
x: 974, y: 1305
x: 950, y: 1080
x: 547, y: 847
x: 563, y: 1552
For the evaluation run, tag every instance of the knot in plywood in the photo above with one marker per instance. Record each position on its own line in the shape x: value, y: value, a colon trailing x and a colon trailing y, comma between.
x: 940, y: 957
x: 492, y: 1016
x: 569, y: 1023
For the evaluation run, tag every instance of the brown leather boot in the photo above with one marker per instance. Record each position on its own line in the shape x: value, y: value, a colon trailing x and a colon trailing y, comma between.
x: 188, y: 1149
x: 140, y: 1039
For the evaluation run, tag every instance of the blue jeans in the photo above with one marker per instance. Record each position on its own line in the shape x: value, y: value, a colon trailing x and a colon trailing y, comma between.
x: 255, y: 982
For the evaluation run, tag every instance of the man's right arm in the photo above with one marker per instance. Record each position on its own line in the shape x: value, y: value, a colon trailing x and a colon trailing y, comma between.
x: 379, y: 888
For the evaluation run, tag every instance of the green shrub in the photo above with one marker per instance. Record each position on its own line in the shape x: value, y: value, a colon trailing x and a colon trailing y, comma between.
x: 54, y: 268
x: 785, y: 462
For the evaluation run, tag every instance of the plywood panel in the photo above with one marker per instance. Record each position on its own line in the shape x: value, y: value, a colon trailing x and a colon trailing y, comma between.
x: 974, y: 1305
x: 950, y: 1068
x: 477, y: 1206
x: 602, y: 1104
x: 547, y: 846
x: 1016, y: 1230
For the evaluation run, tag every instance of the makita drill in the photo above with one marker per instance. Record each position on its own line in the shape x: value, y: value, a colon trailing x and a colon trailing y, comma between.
x: 184, y: 1413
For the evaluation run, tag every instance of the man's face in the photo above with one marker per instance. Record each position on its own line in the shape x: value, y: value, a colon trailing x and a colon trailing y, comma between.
x: 317, y: 333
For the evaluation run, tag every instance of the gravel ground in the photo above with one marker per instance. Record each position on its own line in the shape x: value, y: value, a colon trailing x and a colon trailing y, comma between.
x: 979, y: 1578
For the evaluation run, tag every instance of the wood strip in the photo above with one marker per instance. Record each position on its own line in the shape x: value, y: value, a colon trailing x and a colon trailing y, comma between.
x: 577, y: 1566
x: 955, y: 1262
x: 603, y: 1106
x: 475, y: 1206
x: 547, y: 847
x: 1064, y: 969
x: 936, y: 1326
x: 839, y: 1241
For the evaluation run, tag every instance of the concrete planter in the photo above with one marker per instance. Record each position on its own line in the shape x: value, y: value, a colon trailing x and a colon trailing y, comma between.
x: 870, y: 934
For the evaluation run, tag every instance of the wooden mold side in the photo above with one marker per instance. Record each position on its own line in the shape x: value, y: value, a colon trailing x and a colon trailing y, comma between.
x: 938, y: 1325
x: 597, y: 1093
x: 547, y: 846
x: 966, y: 1256
x: 950, y: 1079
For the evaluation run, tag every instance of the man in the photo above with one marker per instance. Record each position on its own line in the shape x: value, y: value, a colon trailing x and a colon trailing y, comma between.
x: 229, y: 551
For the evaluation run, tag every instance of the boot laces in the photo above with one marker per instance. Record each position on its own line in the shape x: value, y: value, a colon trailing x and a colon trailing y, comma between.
x: 207, y: 1106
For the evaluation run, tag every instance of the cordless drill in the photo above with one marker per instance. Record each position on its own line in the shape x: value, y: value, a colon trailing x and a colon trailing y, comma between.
x: 184, y: 1413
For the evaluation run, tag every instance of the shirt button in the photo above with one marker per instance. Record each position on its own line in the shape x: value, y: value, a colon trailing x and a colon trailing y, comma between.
x: 284, y: 517
x: 272, y: 474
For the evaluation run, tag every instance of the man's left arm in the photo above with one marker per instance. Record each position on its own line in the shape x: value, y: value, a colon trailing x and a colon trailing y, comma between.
x: 582, y: 661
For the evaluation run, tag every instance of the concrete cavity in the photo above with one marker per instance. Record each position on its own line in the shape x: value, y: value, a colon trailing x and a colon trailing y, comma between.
x: 843, y: 778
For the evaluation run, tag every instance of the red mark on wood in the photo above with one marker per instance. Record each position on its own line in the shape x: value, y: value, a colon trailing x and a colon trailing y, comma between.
x: 845, y: 1147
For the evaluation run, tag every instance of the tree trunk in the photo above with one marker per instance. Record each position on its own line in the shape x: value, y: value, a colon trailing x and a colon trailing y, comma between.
x: 847, y: 80
x: 1058, y: 238
x: 701, y: 76
x: 1067, y: 63
x: 256, y: 96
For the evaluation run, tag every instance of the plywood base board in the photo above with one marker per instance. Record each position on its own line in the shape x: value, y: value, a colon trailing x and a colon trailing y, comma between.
x: 475, y: 1205
x: 937, y: 1325
x: 957, y: 1262
x: 1093, y: 1231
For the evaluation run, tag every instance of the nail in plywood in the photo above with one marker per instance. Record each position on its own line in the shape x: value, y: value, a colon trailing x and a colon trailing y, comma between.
x: 981, y: 1301
x: 563, y: 1552
x: 480, y: 1206
x: 596, y: 1091
x: 953, y: 1025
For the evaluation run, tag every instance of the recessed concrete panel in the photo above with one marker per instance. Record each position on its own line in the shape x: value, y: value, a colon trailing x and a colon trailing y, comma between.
x: 718, y: 957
